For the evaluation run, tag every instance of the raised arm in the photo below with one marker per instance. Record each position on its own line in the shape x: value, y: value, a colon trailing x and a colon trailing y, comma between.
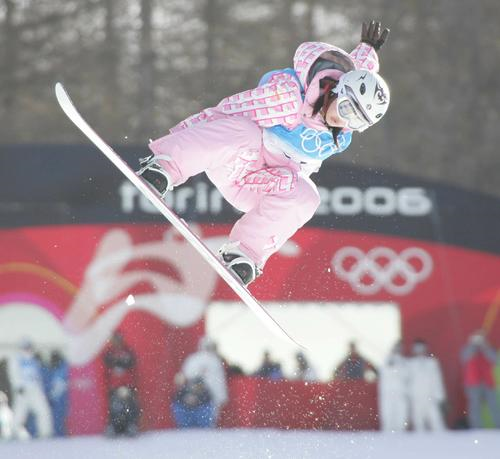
x: 365, y: 54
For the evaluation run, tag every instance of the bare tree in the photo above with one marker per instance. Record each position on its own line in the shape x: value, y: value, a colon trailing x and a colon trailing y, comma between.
x: 140, y: 66
x: 146, y: 72
x: 10, y: 62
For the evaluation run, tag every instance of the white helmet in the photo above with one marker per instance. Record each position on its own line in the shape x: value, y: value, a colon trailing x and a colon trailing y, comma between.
x: 363, y: 98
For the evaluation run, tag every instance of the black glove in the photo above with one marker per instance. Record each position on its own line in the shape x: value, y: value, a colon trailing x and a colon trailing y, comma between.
x: 370, y: 33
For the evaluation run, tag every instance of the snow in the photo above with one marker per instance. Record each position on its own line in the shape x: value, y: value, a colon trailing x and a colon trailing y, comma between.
x: 265, y: 444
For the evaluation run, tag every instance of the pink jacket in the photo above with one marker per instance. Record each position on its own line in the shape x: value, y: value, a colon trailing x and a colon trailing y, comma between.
x: 280, y: 101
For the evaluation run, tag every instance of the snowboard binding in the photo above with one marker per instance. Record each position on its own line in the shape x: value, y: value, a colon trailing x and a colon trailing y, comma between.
x: 155, y: 175
x: 239, y: 264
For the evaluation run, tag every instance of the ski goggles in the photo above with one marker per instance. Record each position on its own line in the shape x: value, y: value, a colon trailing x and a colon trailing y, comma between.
x: 349, y: 110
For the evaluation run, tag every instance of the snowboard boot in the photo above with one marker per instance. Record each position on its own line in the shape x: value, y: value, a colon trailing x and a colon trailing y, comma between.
x: 239, y: 264
x: 155, y: 175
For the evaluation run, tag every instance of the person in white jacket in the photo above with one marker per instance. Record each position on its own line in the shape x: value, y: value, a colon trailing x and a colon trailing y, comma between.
x: 426, y: 389
x: 393, y: 392
x: 26, y: 378
x: 304, y: 371
x: 206, y: 364
x: 6, y: 418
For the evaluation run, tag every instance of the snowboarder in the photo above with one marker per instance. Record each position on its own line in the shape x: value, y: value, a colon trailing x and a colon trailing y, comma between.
x: 259, y: 147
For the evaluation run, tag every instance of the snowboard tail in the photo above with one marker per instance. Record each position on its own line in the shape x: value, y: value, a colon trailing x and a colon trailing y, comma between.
x: 181, y: 226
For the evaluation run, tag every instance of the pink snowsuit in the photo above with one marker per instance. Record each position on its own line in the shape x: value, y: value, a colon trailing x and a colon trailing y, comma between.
x: 228, y: 143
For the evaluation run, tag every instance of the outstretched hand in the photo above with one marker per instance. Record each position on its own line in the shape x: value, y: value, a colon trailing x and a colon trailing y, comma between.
x: 370, y: 33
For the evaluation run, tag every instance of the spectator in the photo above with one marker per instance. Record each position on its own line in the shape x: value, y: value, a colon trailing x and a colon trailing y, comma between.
x: 120, y: 363
x: 207, y: 365
x: 269, y: 368
x: 56, y: 386
x: 6, y: 418
x: 192, y: 404
x: 4, y: 375
x: 31, y: 422
x: 393, y: 393
x: 354, y: 366
x: 425, y: 388
x: 479, y: 360
x: 123, y: 412
x: 233, y: 369
x: 304, y: 371
x: 29, y: 395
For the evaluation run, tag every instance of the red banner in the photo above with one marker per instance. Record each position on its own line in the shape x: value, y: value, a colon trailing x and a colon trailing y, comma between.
x: 83, y: 275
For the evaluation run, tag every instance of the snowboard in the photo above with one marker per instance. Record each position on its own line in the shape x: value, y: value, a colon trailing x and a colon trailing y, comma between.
x: 244, y: 294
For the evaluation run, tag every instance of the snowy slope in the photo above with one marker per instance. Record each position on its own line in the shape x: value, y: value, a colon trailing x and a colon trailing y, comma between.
x: 265, y: 444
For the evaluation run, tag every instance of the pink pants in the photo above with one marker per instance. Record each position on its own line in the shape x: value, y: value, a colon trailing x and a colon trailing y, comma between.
x: 276, y: 199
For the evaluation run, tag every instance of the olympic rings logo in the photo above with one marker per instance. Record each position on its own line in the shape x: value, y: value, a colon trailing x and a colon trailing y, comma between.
x: 317, y: 141
x: 382, y: 268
